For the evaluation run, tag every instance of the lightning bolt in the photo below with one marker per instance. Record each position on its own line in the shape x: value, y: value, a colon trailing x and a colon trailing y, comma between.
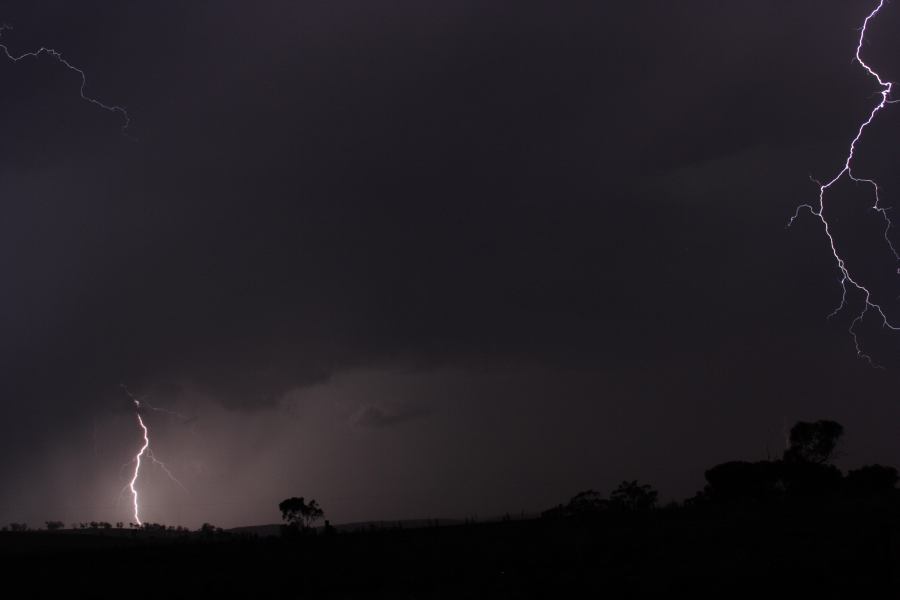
x: 58, y: 57
x: 848, y: 281
x: 126, y: 122
x: 137, y: 463
x: 144, y: 451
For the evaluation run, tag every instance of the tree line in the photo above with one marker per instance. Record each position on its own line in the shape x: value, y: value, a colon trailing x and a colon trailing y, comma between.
x: 804, y: 473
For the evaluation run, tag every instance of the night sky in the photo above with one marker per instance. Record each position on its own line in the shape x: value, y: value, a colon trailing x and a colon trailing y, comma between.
x: 420, y: 259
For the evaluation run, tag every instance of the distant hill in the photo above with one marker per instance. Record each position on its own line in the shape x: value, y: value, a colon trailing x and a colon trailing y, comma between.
x: 274, y: 529
x: 259, y: 530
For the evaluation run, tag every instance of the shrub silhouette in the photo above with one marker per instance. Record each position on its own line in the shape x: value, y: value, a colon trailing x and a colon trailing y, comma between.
x: 586, y: 503
x: 582, y: 504
x: 209, y: 530
x: 632, y: 496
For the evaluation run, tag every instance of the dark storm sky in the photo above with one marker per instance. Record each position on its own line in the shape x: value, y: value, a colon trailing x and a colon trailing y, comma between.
x: 430, y: 259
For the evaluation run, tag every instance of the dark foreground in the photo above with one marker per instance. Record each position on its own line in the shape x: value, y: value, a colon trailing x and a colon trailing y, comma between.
x: 806, y: 552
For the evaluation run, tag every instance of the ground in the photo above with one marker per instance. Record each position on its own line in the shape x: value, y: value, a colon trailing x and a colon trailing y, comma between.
x: 734, y: 553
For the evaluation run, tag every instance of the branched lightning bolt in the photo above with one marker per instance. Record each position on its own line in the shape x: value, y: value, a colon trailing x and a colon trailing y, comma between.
x: 847, y: 279
x: 137, y: 464
x: 58, y: 57
x: 165, y: 469
x: 166, y: 411
x: 144, y: 451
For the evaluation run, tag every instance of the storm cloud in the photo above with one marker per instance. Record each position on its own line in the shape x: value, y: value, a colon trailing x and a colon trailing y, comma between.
x: 555, y: 226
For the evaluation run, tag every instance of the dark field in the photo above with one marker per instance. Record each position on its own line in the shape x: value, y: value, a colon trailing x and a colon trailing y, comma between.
x: 850, y: 551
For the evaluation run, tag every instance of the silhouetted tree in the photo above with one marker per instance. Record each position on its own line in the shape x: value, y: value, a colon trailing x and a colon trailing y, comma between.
x: 208, y: 529
x: 54, y: 525
x: 18, y: 527
x: 298, y: 514
x: 632, y: 496
x: 586, y: 503
x: 582, y: 504
x: 804, y: 472
x: 871, y: 480
x: 330, y: 530
x: 813, y: 442
x: 700, y: 499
